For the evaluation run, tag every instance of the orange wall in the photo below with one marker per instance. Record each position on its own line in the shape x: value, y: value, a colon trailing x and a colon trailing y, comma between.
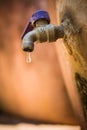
x: 34, y: 90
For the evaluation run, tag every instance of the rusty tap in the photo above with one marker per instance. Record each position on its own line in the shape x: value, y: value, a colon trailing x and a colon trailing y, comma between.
x: 39, y: 29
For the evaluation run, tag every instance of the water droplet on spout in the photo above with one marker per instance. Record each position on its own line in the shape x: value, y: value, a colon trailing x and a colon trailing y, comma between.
x: 28, y: 60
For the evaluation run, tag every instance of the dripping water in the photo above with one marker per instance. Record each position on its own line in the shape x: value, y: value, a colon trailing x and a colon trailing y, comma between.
x: 28, y: 59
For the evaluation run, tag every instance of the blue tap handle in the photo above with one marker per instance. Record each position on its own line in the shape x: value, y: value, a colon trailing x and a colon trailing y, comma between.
x: 40, y: 14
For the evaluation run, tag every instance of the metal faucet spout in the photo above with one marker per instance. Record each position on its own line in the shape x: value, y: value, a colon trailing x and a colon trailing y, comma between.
x: 39, y: 29
x: 28, y: 41
x: 41, y: 34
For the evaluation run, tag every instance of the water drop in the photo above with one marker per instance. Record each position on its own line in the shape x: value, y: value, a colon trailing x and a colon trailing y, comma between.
x: 28, y: 60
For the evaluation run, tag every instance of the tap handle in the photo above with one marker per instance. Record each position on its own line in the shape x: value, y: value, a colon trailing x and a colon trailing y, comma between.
x: 37, y: 15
